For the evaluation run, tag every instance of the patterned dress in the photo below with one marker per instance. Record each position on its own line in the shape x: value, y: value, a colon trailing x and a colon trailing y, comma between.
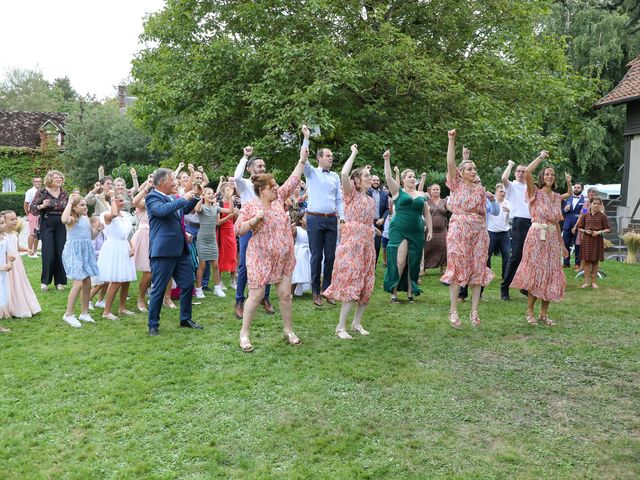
x: 540, y: 271
x: 77, y: 257
x: 270, y: 253
x: 592, y: 248
x: 467, y: 237
x: 435, y: 251
x: 354, y: 268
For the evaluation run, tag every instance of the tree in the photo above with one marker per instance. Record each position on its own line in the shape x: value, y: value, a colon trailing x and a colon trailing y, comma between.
x: 371, y: 72
x: 29, y: 91
x: 100, y: 135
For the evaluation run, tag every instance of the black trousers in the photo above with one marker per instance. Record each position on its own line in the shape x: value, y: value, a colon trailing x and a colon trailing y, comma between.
x: 519, y: 230
x: 53, y: 234
x: 323, y: 235
x: 569, y: 239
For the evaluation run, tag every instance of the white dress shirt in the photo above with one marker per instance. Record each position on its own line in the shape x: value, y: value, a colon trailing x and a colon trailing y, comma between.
x: 516, y: 193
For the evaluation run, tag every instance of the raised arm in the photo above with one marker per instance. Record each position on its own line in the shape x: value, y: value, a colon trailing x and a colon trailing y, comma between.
x: 423, y: 179
x: 205, y: 179
x: 134, y: 181
x: 242, y: 164
x: 177, y: 170
x: 346, y: 170
x: 66, y: 214
x: 531, y: 185
x: 392, y: 183
x: 138, y: 200
x: 452, y: 169
x: 157, y: 208
x: 569, y: 191
x: 507, y: 173
x: 113, y: 213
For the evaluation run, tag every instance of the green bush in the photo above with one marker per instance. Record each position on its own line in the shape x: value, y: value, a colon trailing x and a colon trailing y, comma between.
x: 12, y: 201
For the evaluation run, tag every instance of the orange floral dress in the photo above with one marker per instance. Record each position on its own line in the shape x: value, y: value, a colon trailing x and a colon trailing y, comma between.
x: 354, y: 269
x: 467, y: 237
x: 540, y: 271
x: 270, y: 253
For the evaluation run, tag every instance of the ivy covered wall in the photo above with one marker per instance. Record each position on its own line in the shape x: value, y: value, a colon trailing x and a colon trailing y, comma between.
x: 22, y: 164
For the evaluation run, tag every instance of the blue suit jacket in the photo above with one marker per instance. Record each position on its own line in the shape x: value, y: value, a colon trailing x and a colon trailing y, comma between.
x: 571, y: 217
x: 166, y: 238
x: 383, y: 211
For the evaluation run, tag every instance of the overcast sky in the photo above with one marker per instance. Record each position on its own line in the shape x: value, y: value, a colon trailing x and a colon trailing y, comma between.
x: 91, y: 42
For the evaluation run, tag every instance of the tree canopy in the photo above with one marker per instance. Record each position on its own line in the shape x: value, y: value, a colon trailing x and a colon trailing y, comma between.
x: 218, y: 75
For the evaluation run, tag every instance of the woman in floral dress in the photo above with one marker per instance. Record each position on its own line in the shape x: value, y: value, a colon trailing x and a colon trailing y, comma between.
x: 540, y: 272
x: 354, y: 268
x: 270, y: 252
x: 467, y: 237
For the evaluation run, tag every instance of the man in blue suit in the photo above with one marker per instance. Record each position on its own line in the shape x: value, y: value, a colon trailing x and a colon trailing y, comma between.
x: 168, y: 247
x: 571, y: 209
x: 382, y: 209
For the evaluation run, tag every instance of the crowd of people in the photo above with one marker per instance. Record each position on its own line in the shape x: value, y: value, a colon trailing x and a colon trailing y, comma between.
x: 180, y: 235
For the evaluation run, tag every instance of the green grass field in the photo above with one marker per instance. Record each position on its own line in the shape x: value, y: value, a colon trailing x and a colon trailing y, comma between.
x: 415, y: 399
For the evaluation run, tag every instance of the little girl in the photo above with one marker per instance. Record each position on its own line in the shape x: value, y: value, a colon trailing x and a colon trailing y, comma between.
x: 6, y: 264
x: 22, y: 302
x: 206, y: 244
x: 116, y: 263
x: 593, y: 226
x: 226, y: 237
x: 97, y: 286
x: 78, y: 258
x: 301, y: 278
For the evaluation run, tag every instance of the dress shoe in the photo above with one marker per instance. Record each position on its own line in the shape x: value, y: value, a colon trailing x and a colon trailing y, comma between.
x: 190, y: 324
x: 317, y: 300
x: 268, y: 308
x: 524, y: 292
x: 576, y: 268
x: 206, y: 289
x: 505, y: 298
x: 153, y: 332
x: 330, y: 301
x: 239, y: 310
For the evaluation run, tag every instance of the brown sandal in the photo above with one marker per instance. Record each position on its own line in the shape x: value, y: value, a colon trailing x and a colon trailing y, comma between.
x: 454, y: 319
x: 531, y: 320
x: 547, y: 321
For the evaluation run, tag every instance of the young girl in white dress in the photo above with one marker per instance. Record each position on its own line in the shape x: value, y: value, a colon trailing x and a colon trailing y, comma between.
x: 6, y: 264
x: 301, y: 278
x: 116, y: 264
x: 78, y: 258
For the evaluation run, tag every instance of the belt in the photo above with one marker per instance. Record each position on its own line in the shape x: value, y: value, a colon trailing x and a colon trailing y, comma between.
x: 191, y: 224
x: 318, y: 214
x: 544, y: 228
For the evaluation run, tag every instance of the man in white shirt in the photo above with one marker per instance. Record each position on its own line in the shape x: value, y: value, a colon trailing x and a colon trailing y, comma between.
x: 255, y: 166
x: 521, y: 221
x: 34, y: 220
x: 498, y: 226
x: 325, y: 208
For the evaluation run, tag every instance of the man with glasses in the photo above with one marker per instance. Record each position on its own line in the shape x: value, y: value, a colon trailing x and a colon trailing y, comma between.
x: 521, y: 221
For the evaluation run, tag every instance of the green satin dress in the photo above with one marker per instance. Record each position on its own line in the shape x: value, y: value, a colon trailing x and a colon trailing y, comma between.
x: 407, y: 224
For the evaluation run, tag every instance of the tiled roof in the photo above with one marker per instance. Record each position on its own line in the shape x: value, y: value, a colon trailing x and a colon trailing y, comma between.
x: 20, y: 129
x: 627, y: 90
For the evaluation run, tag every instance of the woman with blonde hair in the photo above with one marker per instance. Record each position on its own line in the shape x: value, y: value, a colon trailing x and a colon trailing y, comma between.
x: 48, y: 204
x: 406, y: 233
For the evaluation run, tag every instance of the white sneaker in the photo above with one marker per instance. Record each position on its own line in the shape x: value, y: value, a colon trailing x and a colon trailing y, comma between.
x: 72, y: 320
x: 90, y: 305
x: 85, y: 317
x: 33, y: 255
x: 222, y: 286
x: 217, y: 290
x: 60, y: 287
x: 100, y: 304
x: 233, y: 284
x: 199, y: 293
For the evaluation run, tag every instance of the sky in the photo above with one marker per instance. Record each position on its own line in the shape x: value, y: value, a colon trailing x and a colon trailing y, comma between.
x: 90, y: 41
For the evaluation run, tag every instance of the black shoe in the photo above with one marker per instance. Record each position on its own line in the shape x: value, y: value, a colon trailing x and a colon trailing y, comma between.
x: 190, y: 324
x: 206, y: 289
x: 505, y: 298
x: 524, y: 292
x: 153, y: 332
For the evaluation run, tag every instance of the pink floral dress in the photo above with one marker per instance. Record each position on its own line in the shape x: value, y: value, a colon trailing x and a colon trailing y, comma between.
x: 270, y: 253
x: 467, y: 237
x: 540, y: 271
x: 355, y: 264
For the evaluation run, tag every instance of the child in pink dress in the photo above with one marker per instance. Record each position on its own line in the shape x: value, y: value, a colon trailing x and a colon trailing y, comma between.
x: 6, y: 264
x: 354, y: 268
x: 22, y: 300
x: 540, y: 271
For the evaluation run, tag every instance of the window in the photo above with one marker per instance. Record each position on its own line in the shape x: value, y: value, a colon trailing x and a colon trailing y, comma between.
x: 8, y: 185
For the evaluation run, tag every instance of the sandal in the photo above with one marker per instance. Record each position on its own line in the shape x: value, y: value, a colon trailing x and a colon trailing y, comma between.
x: 531, y: 320
x: 292, y: 339
x: 359, y: 329
x: 342, y: 335
x: 547, y: 321
x: 593, y: 285
x: 411, y: 300
x: 584, y: 285
x: 245, y: 344
x: 475, y: 319
x: 454, y: 319
x: 110, y: 316
x: 142, y: 306
x: 395, y: 300
x: 126, y: 312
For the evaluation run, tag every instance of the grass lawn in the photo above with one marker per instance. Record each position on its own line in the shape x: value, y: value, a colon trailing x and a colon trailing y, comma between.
x: 415, y: 399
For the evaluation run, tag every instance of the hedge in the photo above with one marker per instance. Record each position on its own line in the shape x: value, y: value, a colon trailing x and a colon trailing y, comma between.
x: 12, y: 201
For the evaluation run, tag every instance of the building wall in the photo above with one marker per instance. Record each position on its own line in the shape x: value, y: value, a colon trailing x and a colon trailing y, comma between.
x: 631, y: 180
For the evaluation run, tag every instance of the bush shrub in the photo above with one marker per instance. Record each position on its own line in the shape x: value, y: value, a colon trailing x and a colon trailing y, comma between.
x: 12, y: 201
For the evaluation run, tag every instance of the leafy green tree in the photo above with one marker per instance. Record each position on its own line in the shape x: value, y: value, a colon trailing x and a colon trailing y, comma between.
x: 26, y: 90
x: 218, y: 75
x: 100, y: 135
